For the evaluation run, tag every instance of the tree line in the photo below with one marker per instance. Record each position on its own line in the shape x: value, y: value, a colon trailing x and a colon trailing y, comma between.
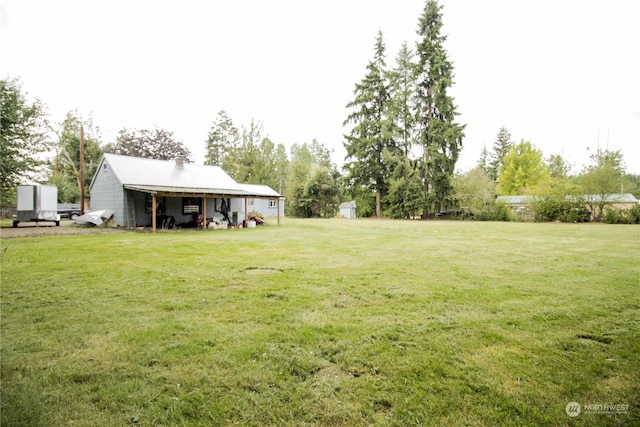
x: 36, y: 150
x: 557, y: 193
x: 306, y: 176
x: 401, y: 138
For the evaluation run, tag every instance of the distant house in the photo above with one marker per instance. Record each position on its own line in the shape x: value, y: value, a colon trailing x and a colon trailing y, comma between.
x: 515, y: 202
x: 348, y: 209
x: 522, y: 204
x: 149, y: 192
x: 615, y: 201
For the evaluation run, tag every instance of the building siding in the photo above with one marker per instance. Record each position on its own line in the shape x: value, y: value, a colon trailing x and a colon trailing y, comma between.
x: 108, y: 193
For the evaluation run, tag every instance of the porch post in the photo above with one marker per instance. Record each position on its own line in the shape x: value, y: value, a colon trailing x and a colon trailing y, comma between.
x: 153, y: 213
x: 204, y: 212
x: 278, y: 209
x: 246, y: 214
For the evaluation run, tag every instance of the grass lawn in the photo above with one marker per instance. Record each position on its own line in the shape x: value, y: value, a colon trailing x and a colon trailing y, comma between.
x: 324, y: 322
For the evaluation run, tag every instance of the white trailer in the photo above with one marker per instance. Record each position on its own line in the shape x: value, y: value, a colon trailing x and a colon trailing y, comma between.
x: 37, y: 203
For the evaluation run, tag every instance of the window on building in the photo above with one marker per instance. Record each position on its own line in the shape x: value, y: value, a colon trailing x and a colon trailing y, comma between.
x: 191, y: 205
x: 273, y: 204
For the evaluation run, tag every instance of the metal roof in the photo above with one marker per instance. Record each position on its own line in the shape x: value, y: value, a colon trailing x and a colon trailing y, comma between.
x: 348, y: 205
x: 185, y: 191
x: 164, y: 176
x: 514, y: 200
x: 259, y: 190
x: 611, y: 198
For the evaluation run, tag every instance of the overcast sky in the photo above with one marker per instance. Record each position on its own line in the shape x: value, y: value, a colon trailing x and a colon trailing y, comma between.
x: 563, y: 74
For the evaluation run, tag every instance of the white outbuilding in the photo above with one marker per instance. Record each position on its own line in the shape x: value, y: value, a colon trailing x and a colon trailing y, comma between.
x: 348, y: 209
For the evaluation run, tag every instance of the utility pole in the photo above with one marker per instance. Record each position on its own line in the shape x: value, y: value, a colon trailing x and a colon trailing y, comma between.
x: 81, y: 170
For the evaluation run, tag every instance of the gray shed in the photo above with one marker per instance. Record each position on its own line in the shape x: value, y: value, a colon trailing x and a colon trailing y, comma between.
x: 135, y: 188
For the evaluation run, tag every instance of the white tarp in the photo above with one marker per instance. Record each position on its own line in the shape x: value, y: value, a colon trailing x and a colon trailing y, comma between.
x: 95, y: 217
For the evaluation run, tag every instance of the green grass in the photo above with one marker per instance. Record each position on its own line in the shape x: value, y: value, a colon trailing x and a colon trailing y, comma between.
x: 323, y: 322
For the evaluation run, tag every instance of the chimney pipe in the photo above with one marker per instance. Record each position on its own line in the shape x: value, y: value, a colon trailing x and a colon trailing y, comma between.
x: 179, y: 162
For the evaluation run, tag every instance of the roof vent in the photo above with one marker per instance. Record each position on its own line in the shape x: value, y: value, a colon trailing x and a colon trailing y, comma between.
x: 179, y: 162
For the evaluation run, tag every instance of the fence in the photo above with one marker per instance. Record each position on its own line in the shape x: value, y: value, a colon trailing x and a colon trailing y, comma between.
x: 8, y: 211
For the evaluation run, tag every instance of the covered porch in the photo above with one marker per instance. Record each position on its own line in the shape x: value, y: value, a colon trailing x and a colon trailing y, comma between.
x: 190, y: 207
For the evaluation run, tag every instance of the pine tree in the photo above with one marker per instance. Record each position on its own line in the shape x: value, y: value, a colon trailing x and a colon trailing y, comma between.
x: 437, y: 133
x: 371, y: 135
x: 404, y: 189
x: 223, y: 137
x: 244, y: 161
x: 483, y: 161
x: 402, y: 79
x: 501, y: 147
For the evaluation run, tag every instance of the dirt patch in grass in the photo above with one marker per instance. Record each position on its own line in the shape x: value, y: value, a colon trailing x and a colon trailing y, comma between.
x: 257, y: 271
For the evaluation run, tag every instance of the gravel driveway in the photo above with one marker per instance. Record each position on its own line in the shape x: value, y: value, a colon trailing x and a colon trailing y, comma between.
x: 30, y: 229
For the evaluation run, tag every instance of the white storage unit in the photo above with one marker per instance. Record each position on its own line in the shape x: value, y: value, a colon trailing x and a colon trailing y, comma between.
x: 37, y: 203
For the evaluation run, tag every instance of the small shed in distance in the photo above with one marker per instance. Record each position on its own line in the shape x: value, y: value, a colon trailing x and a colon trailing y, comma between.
x: 348, y: 210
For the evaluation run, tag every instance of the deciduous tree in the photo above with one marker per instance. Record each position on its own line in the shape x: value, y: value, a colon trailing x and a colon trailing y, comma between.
x: 151, y: 144
x: 313, y: 182
x: 604, y: 176
x: 65, y: 168
x: 474, y: 190
x: 23, y: 137
x: 523, y: 170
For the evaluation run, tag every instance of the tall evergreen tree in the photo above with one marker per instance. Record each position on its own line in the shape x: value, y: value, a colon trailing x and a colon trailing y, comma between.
x: 243, y: 161
x: 437, y: 133
x: 404, y: 195
x: 402, y: 80
x: 223, y: 138
x: 371, y: 134
x: 501, y: 146
x: 483, y: 161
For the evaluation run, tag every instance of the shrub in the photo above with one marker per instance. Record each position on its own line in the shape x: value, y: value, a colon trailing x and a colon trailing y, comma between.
x: 634, y: 214
x: 610, y: 216
x: 498, y: 211
x: 622, y: 216
x: 578, y: 214
x: 563, y: 208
